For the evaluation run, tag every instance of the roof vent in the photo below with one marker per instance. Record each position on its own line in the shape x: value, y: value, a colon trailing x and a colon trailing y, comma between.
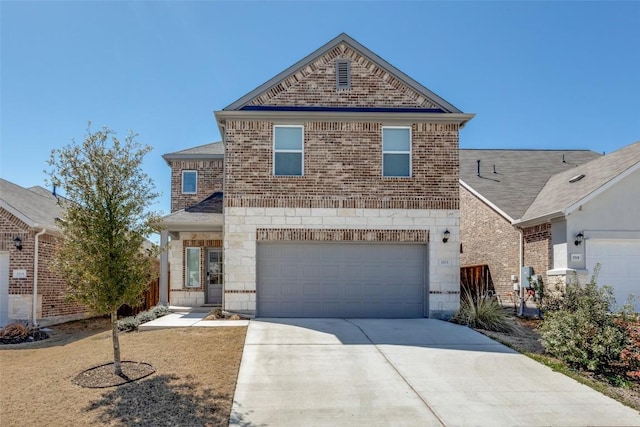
x: 576, y: 178
x: 343, y: 74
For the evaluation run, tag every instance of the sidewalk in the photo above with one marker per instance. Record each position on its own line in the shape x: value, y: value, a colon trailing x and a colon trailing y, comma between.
x: 186, y: 320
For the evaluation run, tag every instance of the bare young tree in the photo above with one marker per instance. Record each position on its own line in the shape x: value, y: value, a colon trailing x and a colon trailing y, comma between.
x: 106, y: 219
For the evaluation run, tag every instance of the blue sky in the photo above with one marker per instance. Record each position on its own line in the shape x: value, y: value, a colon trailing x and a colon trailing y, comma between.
x: 536, y: 74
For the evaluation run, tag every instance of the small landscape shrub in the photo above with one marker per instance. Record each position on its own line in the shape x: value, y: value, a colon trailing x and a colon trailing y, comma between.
x: 478, y: 310
x: 582, y: 332
x: 131, y: 323
x: 15, y: 333
x: 630, y: 355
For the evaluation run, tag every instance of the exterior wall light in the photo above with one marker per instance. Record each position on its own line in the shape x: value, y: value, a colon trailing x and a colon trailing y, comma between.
x: 18, y: 242
x: 445, y: 236
x: 579, y: 239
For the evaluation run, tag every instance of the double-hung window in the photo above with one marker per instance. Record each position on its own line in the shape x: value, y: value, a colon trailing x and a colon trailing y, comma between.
x: 192, y: 268
x: 396, y: 151
x: 288, y: 152
x: 189, y: 182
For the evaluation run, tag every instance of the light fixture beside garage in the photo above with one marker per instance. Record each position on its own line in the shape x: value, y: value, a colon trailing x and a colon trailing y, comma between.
x: 579, y: 239
x: 18, y: 243
x: 445, y: 236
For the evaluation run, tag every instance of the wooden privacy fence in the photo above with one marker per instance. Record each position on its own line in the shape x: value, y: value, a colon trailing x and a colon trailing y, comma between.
x: 151, y: 299
x: 476, y: 279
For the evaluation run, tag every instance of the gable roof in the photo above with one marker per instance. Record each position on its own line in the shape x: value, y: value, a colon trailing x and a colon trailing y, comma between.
x: 519, y: 175
x: 32, y: 207
x: 560, y: 195
x: 214, y: 150
x: 243, y: 102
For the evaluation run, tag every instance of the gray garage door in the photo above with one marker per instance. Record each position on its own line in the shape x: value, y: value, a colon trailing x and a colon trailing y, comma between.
x: 341, y: 280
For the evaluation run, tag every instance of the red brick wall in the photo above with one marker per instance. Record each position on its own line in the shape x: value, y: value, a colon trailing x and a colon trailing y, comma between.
x: 538, y: 249
x: 488, y: 238
x: 50, y: 285
x: 342, y: 161
x: 315, y: 85
x: 210, y: 176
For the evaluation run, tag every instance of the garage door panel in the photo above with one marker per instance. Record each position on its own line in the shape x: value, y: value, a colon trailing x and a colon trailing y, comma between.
x: 619, y: 261
x: 341, y: 280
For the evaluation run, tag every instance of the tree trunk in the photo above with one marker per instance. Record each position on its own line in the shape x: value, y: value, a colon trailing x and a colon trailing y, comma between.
x: 116, y: 343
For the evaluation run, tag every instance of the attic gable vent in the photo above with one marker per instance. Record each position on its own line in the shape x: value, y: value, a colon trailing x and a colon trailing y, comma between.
x: 343, y: 74
x: 576, y: 178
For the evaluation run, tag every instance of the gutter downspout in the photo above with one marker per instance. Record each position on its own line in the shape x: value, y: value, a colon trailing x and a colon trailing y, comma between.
x: 521, y: 261
x: 34, y: 319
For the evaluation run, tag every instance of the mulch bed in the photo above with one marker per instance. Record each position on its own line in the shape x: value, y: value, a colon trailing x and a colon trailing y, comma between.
x: 103, y: 376
x: 32, y: 337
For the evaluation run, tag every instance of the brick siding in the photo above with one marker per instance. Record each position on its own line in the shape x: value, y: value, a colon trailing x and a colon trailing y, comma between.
x: 538, y: 249
x: 342, y: 166
x: 210, y: 176
x: 488, y: 238
x: 315, y: 85
x: 51, y: 286
x: 327, y: 234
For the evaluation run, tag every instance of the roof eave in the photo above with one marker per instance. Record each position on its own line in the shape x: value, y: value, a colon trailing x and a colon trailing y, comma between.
x: 169, y: 157
x: 342, y: 116
x: 541, y: 219
x: 576, y: 205
x: 486, y: 201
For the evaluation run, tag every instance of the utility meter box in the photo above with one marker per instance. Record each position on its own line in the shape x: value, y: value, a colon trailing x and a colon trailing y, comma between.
x: 526, y: 273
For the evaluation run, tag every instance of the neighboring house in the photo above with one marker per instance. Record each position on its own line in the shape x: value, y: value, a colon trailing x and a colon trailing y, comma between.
x: 559, y: 212
x: 340, y: 196
x: 28, y: 239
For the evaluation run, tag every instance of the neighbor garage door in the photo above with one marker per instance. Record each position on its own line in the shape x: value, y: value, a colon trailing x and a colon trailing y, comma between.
x: 619, y: 263
x: 341, y: 280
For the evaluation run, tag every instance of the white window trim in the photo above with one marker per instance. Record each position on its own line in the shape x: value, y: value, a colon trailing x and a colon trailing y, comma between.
x: 301, y: 151
x: 398, y: 152
x: 186, y: 267
x: 182, y: 182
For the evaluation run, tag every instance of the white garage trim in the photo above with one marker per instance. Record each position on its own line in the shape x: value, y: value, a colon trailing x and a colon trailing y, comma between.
x: 619, y: 261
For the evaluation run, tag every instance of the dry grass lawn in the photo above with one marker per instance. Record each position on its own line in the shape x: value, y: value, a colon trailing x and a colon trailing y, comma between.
x: 194, y: 382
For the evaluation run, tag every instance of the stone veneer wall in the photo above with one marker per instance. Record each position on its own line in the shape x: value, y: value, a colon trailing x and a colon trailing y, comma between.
x: 178, y: 294
x: 244, y: 226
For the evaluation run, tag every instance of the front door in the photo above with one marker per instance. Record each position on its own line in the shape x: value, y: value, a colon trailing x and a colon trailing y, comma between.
x: 214, y: 276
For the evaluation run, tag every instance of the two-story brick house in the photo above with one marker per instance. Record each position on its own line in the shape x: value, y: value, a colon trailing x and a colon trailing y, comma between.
x: 340, y: 193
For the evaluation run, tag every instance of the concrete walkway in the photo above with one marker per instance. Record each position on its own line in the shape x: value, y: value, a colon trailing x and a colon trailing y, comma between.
x: 185, y: 320
x: 416, y: 372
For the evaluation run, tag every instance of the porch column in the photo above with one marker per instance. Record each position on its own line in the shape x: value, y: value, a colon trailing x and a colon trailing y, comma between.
x: 164, y: 268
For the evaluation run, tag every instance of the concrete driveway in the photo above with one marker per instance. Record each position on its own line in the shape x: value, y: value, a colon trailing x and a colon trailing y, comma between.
x: 415, y: 372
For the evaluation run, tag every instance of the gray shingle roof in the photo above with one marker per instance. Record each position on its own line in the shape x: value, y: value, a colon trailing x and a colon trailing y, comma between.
x: 559, y: 193
x: 519, y: 174
x: 33, y: 206
x: 214, y: 150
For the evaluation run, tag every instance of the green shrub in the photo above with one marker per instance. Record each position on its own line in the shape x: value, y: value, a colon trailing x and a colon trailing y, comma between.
x: 131, y: 323
x: 581, y: 331
x: 128, y: 324
x: 478, y: 310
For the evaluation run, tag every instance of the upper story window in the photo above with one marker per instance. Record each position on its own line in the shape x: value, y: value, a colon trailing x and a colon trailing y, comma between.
x: 396, y: 151
x: 288, y: 150
x: 189, y: 182
x: 343, y: 74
